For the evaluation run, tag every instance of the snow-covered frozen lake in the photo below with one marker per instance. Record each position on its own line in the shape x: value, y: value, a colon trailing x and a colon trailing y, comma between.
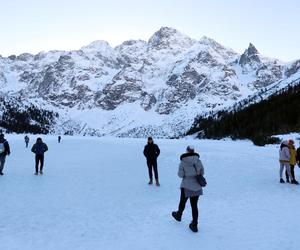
x: 94, y: 195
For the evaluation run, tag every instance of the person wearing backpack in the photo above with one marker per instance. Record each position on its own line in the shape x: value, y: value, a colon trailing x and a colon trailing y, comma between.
x: 26, y: 138
x: 151, y: 152
x: 39, y: 148
x: 4, y: 151
x: 190, y: 168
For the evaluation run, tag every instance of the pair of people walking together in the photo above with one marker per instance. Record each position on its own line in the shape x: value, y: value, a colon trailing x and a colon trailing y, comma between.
x: 190, y: 168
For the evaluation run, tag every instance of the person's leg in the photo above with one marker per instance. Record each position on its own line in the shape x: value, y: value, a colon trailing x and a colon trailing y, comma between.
x: 182, y: 202
x: 149, y: 164
x: 36, y: 164
x: 42, y: 162
x: 2, y: 162
x: 287, y: 176
x: 194, y: 205
x: 292, y: 167
x: 281, y: 169
x: 155, y: 169
x: 288, y: 169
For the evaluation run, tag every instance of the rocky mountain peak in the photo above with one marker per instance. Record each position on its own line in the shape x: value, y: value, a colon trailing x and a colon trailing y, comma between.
x: 250, y: 55
x: 167, y: 37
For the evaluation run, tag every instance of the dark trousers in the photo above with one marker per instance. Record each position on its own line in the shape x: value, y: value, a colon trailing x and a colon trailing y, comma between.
x: 292, y: 173
x: 26, y: 144
x: 152, y: 164
x: 194, y: 205
x: 39, y: 159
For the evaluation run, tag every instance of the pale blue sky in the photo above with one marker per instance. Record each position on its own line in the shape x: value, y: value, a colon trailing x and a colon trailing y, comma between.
x: 36, y: 25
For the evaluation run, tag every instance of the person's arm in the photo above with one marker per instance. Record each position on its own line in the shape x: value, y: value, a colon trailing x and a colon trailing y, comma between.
x: 145, y: 151
x: 200, y: 167
x: 287, y: 153
x: 33, y: 148
x: 45, y: 147
x: 157, y: 151
x: 7, y: 148
x: 180, y: 170
x: 298, y: 155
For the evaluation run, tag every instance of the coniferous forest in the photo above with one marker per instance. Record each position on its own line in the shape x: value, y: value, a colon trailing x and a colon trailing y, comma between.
x: 278, y: 114
x: 25, y: 119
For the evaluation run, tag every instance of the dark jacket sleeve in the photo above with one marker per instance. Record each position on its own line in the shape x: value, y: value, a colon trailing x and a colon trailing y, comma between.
x: 298, y: 154
x: 33, y: 149
x: 7, y: 148
x: 45, y: 147
x: 145, y: 151
x: 157, y: 151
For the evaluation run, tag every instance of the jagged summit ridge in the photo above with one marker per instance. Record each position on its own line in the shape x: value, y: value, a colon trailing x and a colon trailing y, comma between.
x: 139, y: 87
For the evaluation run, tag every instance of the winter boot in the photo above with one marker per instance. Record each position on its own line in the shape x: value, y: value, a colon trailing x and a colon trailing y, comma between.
x: 157, y: 182
x: 150, y: 182
x: 41, y: 172
x: 36, y: 173
x: 193, y: 226
x: 282, y: 181
x: 287, y: 180
x: 1, y: 173
x: 295, y: 182
x: 176, y: 216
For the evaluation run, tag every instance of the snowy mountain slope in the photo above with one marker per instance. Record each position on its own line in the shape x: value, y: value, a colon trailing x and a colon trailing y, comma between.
x: 86, y: 201
x: 141, y: 87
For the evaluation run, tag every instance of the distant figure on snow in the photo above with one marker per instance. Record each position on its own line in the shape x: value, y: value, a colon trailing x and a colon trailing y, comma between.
x: 4, y: 151
x: 190, y: 166
x: 151, y: 152
x: 293, y: 161
x: 59, y: 139
x: 26, y: 138
x: 39, y: 148
x: 284, y: 160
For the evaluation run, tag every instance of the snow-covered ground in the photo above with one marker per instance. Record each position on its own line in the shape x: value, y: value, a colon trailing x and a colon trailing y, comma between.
x: 94, y: 195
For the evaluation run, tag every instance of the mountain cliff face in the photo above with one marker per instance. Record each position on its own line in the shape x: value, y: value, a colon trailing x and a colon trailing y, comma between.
x: 140, y: 88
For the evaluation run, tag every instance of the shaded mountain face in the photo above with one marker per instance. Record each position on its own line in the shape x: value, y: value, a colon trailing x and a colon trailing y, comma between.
x: 139, y: 88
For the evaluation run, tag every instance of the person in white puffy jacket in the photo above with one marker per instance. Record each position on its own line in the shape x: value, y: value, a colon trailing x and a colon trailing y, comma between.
x: 284, y: 160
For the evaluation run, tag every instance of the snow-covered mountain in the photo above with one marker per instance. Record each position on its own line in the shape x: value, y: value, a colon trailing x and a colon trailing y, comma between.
x: 140, y: 88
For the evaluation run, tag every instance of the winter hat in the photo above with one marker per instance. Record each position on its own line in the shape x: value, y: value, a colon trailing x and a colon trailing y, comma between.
x: 150, y: 138
x: 291, y: 141
x: 190, y: 148
x: 285, y: 143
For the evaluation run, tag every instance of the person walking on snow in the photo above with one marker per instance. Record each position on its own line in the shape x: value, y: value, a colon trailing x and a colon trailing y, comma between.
x: 293, y: 162
x: 59, y: 139
x: 284, y: 160
x: 151, y: 152
x: 190, y: 166
x: 39, y: 148
x: 4, y: 151
x: 26, y: 138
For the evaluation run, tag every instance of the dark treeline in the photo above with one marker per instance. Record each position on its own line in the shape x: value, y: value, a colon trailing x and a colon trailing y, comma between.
x: 28, y: 119
x: 278, y: 114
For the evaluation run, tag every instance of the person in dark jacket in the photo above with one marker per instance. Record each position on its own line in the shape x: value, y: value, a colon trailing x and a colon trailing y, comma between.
x: 59, y: 139
x: 4, y: 151
x: 298, y: 156
x: 26, y: 138
x: 151, y: 152
x: 190, y: 166
x: 39, y: 148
